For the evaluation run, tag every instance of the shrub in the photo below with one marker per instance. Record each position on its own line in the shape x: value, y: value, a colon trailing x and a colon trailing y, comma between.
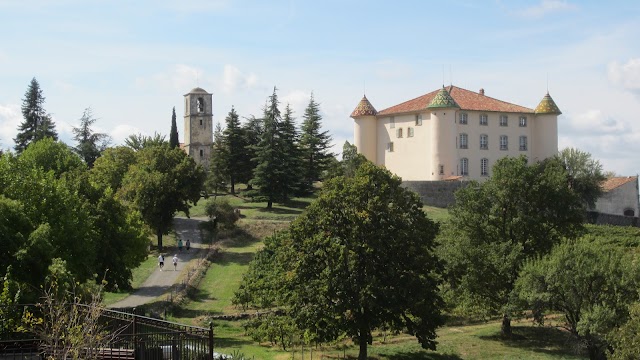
x: 221, y: 213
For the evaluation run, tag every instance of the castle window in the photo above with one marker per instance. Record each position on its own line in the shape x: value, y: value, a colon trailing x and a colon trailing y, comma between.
x: 200, y: 122
x: 201, y: 153
x: 629, y: 212
x: 523, y: 121
x: 200, y: 105
x: 441, y: 170
x: 392, y: 122
x: 484, y: 119
x: 504, y: 120
x: 464, y: 166
x: 410, y: 132
x: 399, y: 133
x: 390, y: 146
x: 504, y: 142
x: 484, y: 142
x: 484, y: 167
x: 418, y: 119
x: 463, y: 118
x: 523, y: 143
x: 464, y: 141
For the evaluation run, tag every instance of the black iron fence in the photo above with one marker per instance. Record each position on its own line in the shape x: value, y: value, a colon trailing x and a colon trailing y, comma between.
x: 130, y: 337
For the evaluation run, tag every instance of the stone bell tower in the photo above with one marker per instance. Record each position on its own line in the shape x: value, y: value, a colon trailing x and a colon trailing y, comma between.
x: 198, y: 126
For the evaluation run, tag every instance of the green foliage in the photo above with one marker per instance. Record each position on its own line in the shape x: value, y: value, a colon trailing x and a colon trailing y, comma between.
x: 270, y: 327
x: 139, y: 141
x: 625, y: 340
x: 270, y: 173
x: 591, y: 284
x: 234, y: 156
x: 90, y: 144
x: 160, y: 183
x: 521, y: 212
x: 343, y: 270
x: 109, y: 169
x: 174, y: 142
x: 218, y: 170
x: 252, y: 132
x: 37, y: 123
x: 51, y: 155
x: 314, y: 146
x: 223, y: 213
x: 292, y: 177
x: 585, y: 174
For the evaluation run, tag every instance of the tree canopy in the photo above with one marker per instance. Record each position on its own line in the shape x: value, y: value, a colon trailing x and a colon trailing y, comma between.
x: 585, y: 174
x: 174, y: 142
x: 342, y: 268
x: 592, y: 284
x: 162, y: 182
x: 521, y: 212
x: 37, y: 123
x: 314, y: 146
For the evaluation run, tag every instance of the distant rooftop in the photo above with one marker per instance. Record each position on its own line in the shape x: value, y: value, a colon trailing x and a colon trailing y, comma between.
x: 614, y: 182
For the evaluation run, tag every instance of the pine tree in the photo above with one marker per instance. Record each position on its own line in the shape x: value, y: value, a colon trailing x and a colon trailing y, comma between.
x: 269, y: 174
x: 37, y: 123
x: 235, y: 145
x: 90, y: 144
x: 292, y: 156
x: 314, y: 146
x: 173, y: 136
x: 252, y: 132
x: 218, y: 171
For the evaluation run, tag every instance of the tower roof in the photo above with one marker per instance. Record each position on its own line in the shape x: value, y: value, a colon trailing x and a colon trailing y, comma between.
x: 364, y: 108
x: 443, y: 100
x: 548, y: 106
x: 197, y: 90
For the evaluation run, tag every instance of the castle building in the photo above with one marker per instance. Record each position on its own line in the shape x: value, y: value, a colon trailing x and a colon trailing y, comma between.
x: 198, y: 126
x: 453, y: 133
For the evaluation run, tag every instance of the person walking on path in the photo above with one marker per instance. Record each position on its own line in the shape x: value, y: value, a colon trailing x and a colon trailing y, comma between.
x: 180, y: 244
x: 175, y: 262
x: 188, y: 244
x: 161, y: 261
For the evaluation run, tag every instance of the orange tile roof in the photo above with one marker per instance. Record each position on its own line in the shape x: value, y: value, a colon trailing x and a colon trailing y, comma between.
x: 614, y: 182
x: 466, y: 99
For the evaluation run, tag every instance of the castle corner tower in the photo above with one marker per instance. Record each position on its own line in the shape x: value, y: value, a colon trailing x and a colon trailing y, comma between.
x: 198, y: 126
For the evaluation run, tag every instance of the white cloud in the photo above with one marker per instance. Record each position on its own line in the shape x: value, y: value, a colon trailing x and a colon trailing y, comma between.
x: 627, y: 75
x: 179, y: 77
x: 121, y: 132
x: 298, y: 100
x: 10, y: 119
x: 594, y: 121
x: 546, y: 7
x: 233, y: 78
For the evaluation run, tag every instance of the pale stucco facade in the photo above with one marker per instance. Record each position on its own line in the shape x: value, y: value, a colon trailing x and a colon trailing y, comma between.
x: 198, y: 126
x: 620, y: 197
x: 453, y: 133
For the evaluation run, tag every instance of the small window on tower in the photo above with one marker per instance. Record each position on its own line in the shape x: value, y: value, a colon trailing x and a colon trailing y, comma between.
x: 200, y: 122
x: 201, y: 153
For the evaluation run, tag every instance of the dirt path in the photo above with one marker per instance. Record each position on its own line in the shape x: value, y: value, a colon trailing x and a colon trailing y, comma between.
x: 161, y: 281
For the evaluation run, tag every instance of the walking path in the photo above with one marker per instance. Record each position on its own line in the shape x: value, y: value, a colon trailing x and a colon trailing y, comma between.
x: 161, y: 281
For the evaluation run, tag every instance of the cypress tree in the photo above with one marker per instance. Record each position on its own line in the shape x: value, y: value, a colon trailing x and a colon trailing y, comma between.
x: 173, y: 135
x: 314, y: 146
x: 37, y: 123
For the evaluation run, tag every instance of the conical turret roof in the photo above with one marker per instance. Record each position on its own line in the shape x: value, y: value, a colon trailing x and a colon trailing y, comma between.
x: 443, y: 100
x: 364, y: 108
x: 547, y: 106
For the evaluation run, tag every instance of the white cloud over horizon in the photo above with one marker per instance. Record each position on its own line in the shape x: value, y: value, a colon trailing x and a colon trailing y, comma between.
x: 233, y: 79
x: 626, y: 75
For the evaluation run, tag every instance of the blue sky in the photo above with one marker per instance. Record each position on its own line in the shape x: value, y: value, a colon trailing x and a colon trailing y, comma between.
x: 132, y: 61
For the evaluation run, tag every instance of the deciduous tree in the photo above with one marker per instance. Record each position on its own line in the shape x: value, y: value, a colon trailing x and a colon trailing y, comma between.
x: 162, y: 182
x: 585, y: 174
x: 343, y: 268
x: 590, y: 283
x: 521, y: 212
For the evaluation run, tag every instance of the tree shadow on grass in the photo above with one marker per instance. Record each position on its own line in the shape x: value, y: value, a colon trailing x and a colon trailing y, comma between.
x: 226, y: 258
x: 542, y: 339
